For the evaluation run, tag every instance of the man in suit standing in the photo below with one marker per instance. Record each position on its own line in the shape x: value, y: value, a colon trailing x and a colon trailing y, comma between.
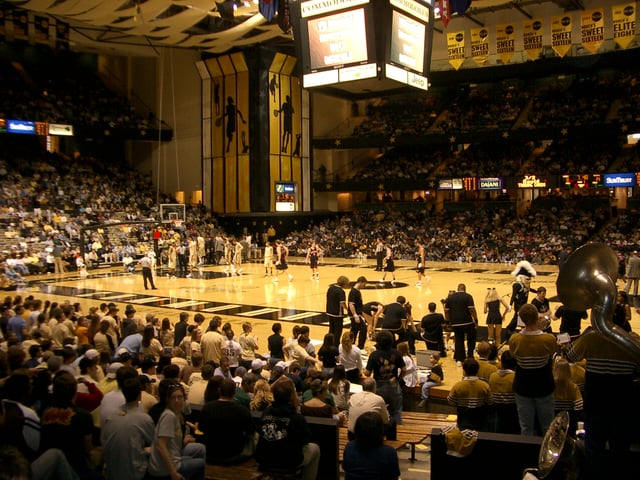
x: 633, y: 273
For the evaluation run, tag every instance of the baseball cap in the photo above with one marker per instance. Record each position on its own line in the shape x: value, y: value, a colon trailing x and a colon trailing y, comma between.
x: 112, y: 369
x: 112, y: 306
x: 129, y: 309
x: 282, y: 364
x: 92, y: 353
x: 257, y: 364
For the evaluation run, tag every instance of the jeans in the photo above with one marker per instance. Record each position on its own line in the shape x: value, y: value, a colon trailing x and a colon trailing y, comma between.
x: 52, y: 464
x: 530, y: 408
x: 310, y: 461
x: 392, y: 394
x: 425, y: 388
x: 193, y: 461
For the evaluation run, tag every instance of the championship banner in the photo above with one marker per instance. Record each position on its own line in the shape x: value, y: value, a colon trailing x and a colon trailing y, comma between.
x: 42, y: 29
x: 480, y: 45
x: 624, y: 23
x: 445, y: 12
x: 455, y: 47
x: 20, y: 25
x: 532, y: 37
x: 592, y: 29
x: 561, y: 40
x: 505, y: 42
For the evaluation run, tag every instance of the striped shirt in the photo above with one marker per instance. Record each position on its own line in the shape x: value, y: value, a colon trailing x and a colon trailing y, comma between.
x: 534, y: 353
x: 470, y: 392
x: 603, y: 357
x: 501, y: 385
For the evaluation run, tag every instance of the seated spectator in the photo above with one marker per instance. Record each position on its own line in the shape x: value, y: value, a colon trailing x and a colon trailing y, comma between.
x: 367, y: 457
x: 472, y: 398
x: 501, y: 385
x: 282, y: 429
x: 227, y: 427
x: 174, y: 454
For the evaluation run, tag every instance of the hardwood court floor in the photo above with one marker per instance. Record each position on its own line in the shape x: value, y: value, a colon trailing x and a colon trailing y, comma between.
x: 252, y: 297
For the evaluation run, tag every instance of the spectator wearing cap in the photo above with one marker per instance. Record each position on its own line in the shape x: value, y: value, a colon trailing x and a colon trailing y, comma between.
x: 132, y: 344
x: 257, y: 368
x: 129, y: 325
x: 127, y: 435
x: 109, y: 384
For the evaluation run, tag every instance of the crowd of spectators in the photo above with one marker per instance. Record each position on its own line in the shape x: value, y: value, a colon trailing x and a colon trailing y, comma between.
x: 62, y: 89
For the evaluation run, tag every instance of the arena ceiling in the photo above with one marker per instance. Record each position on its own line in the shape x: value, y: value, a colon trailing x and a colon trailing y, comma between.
x: 140, y: 27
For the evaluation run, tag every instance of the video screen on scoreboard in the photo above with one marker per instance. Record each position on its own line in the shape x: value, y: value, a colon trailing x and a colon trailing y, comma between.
x: 338, y: 39
x: 407, y: 42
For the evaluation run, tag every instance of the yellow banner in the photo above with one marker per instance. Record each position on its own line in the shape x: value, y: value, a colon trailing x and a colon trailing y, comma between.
x: 455, y: 47
x: 561, y: 26
x: 532, y: 37
x: 624, y: 23
x: 505, y: 41
x: 592, y: 29
x: 480, y: 45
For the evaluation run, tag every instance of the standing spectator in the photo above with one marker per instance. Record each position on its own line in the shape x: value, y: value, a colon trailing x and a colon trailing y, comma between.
x: 275, y: 343
x: 460, y: 312
x: 358, y: 324
x: 501, y: 385
x: 387, y: 366
x: 180, y: 329
x: 147, y: 276
x: 622, y: 312
x: 328, y: 354
x: 350, y: 358
x: 633, y: 273
x: 533, y: 383
x: 336, y: 305
x: 167, y: 334
x: 249, y: 344
x: 212, y: 342
x: 282, y: 429
x: 609, y: 368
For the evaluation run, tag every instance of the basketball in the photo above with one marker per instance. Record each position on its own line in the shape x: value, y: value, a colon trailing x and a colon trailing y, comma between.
x: 276, y: 112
